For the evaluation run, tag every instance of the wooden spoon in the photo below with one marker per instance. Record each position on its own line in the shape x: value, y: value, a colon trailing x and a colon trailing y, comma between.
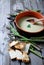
x: 36, y: 22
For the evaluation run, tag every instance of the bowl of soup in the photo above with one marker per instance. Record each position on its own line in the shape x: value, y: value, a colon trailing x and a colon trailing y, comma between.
x: 26, y: 26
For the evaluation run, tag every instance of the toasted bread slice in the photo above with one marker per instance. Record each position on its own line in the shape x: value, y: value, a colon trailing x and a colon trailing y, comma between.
x: 12, y: 54
x: 26, y: 47
x: 19, y: 55
x: 20, y: 45
x: 22, y: 56
x: 13, y: 43
x: 20, y: 52
x: 25, y: 57
x: 15, y: 54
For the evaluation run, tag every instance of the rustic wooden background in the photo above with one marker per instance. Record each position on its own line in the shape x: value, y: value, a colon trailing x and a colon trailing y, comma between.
x: 6, y: 7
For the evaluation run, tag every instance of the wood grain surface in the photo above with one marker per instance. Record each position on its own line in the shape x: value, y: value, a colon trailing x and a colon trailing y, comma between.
x: 6, y: 7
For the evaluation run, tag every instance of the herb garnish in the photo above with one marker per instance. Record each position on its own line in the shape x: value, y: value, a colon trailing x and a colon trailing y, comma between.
x: 28, y: 25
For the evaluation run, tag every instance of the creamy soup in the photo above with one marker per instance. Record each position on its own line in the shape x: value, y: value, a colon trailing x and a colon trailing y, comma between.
x: 28, y: 26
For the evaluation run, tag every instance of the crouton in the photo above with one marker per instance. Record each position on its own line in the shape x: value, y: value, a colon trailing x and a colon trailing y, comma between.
x: 13, y: 43
x: 20, y: 45
x: 12, y: 54
x: 26, y: 47
x: 19, y: 55
x: 25, y: 57
x: 20, y: 52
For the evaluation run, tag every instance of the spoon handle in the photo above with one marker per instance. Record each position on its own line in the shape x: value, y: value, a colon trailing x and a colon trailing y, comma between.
x: 41, y: 19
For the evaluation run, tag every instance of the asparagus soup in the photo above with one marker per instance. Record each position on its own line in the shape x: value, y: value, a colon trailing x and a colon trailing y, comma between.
x: 29, y: 26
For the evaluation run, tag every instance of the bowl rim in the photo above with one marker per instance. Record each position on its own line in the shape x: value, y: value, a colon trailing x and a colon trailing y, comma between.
x: 25, y: 30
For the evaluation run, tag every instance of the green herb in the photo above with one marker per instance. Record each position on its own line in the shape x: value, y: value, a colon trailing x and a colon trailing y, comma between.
x: 19, y: 11
x: 36, y: 47
x: 34, y: 40
x: 22, y: 38
x: 41, y: 37
x: 28, y: 25
x: 36, y: 53
x: 37, y: 10
x: 16, y: 33
x: 13, y: 15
